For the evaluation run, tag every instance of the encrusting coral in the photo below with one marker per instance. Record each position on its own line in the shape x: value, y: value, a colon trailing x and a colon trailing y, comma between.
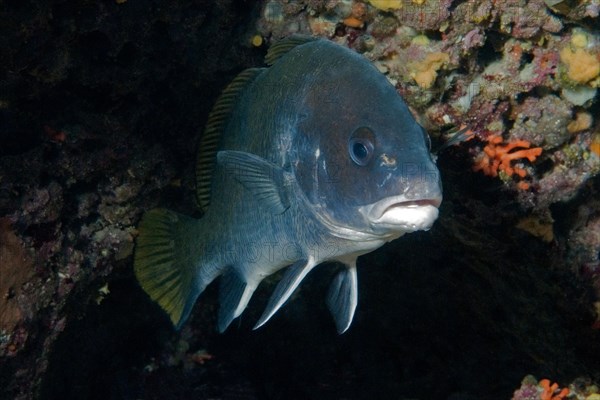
x: 582, y: 66
x: 581, y: 63
x: 357, y: 15
x: 386, y: 5
x: 583, y: 121
x: 426, y: 71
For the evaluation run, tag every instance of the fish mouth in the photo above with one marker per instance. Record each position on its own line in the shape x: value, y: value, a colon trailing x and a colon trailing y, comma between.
x: 399, y: 214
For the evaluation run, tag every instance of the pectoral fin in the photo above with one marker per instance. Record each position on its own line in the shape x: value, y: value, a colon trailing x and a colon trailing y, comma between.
x: 286, y: 286
x: 265, y: 180
x: 234, y: 295
x: 343, y: 297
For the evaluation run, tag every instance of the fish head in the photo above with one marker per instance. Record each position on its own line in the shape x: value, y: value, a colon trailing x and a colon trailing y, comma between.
x: 362, y: 161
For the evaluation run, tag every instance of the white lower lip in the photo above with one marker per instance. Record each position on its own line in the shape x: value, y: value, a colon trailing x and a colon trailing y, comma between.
x: 407, y: 218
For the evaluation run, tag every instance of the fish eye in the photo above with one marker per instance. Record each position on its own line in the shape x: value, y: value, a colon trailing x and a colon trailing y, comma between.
x: 361, y: 150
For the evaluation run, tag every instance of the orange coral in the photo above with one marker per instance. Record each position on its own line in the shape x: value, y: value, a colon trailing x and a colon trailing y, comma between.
x: 356, y: 18
x: 595, y: 145
x: 353, y: 22
x: 498, y: 156
x: 548, y: 392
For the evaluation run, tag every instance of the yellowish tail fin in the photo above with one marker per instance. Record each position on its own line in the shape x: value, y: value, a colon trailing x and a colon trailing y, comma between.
x: 166, y: 261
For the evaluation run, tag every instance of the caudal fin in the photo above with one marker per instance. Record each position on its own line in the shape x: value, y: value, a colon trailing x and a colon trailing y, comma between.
x: 166, y: 261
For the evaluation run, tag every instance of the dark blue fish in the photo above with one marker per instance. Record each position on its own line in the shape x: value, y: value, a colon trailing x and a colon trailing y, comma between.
x: 316, y: 158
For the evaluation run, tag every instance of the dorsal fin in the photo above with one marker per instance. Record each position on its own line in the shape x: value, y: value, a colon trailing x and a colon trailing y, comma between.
x: 280, y: 48
x: 209, y: 143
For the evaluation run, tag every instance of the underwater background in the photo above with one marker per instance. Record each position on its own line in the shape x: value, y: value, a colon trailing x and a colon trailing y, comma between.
x: 102, y: 105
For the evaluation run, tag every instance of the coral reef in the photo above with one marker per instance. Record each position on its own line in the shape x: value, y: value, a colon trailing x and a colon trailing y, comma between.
x: 62, y: 239
x: 16, y: 269
x: 580, y: 389
x: 531, y: 389
x: 541, y: 89
x: 575, y: 11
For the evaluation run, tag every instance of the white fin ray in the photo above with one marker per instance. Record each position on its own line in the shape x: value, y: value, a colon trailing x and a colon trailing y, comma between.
x: 234, y: 295
x: 342, y: 297
x: 286, y: 286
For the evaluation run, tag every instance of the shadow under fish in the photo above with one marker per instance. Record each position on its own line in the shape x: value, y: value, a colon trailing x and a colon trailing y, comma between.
x: 315, y: 158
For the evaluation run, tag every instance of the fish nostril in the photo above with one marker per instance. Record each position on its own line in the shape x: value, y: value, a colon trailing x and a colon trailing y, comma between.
x: 387, y: 161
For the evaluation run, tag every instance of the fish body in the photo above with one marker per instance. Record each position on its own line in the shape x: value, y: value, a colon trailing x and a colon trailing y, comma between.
x: 314, y: 159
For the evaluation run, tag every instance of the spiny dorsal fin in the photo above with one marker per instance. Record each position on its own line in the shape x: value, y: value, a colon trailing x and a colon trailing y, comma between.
x: 209, y: 143
x: 282, y: 47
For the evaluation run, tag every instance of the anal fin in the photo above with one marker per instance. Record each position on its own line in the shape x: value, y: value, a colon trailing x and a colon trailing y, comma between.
x: 234, y: 295
x: 342, y: 297
x: 286, y: 286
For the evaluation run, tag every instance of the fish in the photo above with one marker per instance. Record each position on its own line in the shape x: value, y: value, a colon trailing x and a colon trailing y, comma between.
x: 313, y: 159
